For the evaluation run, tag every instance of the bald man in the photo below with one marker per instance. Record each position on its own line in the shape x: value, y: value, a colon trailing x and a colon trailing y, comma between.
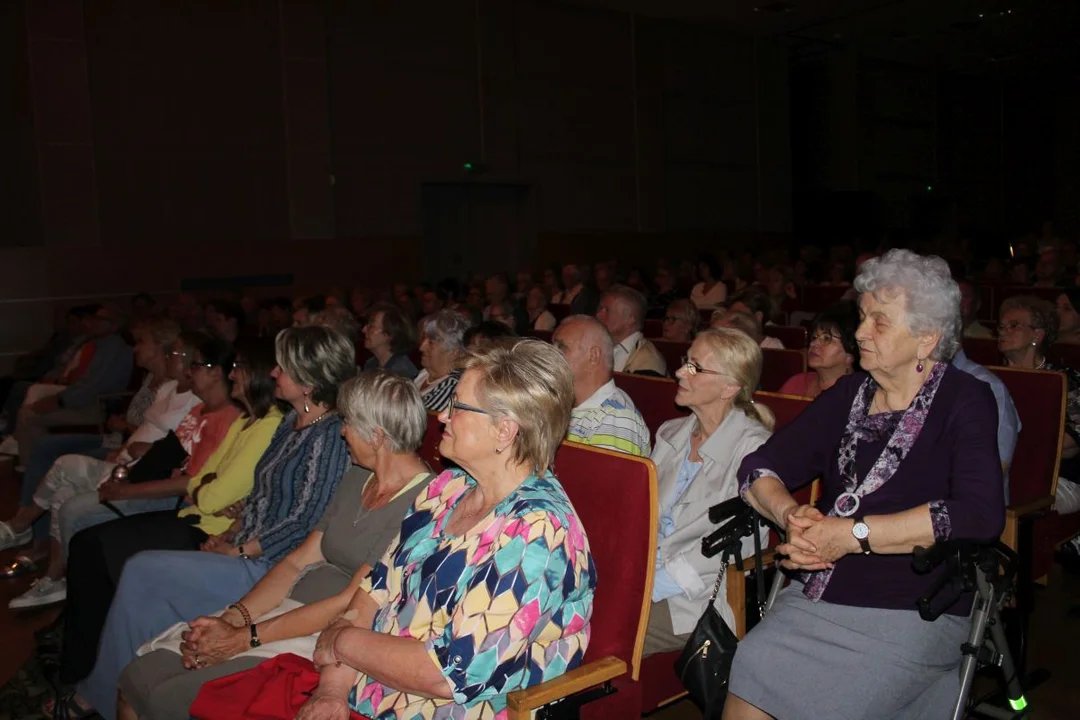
x: 603, y: 415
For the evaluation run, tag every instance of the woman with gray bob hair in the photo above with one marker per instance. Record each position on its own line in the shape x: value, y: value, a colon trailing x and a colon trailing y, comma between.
x: 928, y: 430
x: 924, y: 283
x: 319, y: 359
x: 383, y: 402
x: 442, y: 348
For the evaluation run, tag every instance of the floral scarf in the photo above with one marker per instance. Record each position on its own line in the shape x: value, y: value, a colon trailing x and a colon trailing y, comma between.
x: 903, y: 438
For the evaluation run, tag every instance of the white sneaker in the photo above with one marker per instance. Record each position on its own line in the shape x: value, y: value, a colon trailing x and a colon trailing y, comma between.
x: 10, y: 539
x: 44, y: 591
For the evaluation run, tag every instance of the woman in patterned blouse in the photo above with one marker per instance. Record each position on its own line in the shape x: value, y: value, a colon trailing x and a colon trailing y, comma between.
x: 489, y: 586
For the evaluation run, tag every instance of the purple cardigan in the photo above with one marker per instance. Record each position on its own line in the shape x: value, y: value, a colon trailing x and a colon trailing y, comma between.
x: 954, y: 460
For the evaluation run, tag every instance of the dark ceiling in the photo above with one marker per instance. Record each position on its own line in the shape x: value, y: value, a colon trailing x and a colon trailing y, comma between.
x: 967, y: 36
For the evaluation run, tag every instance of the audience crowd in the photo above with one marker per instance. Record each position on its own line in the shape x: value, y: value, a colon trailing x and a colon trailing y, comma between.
x: 214, y: 488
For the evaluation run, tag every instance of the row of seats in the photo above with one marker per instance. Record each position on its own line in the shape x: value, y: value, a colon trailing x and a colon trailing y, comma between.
x: 607, y: 488
x: 777, y: 367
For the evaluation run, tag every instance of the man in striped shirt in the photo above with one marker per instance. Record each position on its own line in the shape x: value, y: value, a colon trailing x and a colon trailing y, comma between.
x: 603, y: 416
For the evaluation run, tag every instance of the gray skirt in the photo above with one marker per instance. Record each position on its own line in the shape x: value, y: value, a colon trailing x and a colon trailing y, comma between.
x: 158, y: 687
x: 819, y: 660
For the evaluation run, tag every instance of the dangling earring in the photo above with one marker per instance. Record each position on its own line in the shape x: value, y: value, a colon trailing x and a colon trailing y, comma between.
x: 1033, y: 343
x: 919, y: 367
x: 306, y: 408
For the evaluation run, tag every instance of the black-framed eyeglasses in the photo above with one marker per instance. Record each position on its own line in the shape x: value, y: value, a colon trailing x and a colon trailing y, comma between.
x: 1010, y: 326
x: 239, y: 364
x: 202, y: 364
x: 692, y: 368
x: 456, y: 405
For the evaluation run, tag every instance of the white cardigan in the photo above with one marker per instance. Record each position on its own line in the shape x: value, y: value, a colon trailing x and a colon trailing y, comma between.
x: 680, y: 553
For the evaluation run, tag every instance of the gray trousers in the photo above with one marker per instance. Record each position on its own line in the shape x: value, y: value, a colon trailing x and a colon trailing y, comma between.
x: 158, y: 687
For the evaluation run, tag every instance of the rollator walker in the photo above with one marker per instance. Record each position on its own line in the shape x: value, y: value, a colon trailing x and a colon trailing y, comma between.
x: 987, y: 569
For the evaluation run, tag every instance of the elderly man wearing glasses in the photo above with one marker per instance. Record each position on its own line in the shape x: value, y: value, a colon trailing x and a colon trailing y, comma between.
x: 696, y: 459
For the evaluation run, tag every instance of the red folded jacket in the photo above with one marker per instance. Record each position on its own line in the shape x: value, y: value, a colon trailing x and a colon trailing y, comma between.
x: 274, y: 690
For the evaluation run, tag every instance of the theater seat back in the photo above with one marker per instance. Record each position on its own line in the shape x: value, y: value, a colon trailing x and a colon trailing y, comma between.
x: 429, y: 448
x: 1039, y: 397
x: 779, y: 365
x: 654, y: 398
x: 614, y: 496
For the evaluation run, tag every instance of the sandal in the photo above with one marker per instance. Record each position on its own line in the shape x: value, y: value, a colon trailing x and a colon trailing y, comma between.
x: 22, y: 565
x: 69, y: 708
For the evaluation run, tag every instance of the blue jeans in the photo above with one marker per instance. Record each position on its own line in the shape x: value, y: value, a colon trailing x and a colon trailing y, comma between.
x: 46, y: 451
x: 158, y: 589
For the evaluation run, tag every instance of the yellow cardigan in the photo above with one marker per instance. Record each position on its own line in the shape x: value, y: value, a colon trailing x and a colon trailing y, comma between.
x: 234, y: 463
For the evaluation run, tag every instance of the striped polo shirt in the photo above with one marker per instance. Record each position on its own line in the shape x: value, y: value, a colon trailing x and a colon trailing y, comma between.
x: 609, y: 420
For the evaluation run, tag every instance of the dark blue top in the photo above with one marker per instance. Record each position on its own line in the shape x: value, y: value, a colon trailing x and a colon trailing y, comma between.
x: 399, y: 364
x: 954, y: 462
x: 294, y: 481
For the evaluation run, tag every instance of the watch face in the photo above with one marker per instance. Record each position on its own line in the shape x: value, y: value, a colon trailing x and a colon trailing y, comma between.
x: 861, y: 531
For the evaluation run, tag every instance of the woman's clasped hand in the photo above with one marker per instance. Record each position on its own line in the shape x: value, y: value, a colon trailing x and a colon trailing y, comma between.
x: 815, y: 541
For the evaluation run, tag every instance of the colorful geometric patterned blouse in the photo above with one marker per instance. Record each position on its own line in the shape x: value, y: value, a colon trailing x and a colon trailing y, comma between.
x: 502, y: 607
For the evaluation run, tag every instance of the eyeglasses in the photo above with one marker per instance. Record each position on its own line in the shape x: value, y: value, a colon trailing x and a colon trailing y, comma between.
x: 668, y: 319
x: 692, y: 368
x: 238, y: 365
x: 203, y: 364
x: 824, y: 338
x: 455, y: 406
x: 178, y: 353
x: 1011, y: 326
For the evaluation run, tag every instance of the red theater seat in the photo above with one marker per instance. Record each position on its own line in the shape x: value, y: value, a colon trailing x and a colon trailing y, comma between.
x: 794, y: 337
x: 982, y: 350
x: 1040, y: 398
x: 779, y: 365
x: 673, y: 353
x: 654, y: 398
x: 615, y: 497
x: 818, y: 297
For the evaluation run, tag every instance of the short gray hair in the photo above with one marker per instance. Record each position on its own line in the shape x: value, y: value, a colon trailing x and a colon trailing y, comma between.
x: 931, y: 296
x: 633, y: 298
x: 603, y: 337
x: 379, y: 399
x: 447, y: 328
x: 527, y: 381
x: 318, y: 357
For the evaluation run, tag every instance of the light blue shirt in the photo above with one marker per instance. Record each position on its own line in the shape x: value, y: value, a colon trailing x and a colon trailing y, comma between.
x: 1008, y: 421
x: 663, y: 584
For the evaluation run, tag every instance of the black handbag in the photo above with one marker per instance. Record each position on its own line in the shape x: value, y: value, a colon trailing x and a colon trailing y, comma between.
x: 164, y: 456
x: 705, y: 663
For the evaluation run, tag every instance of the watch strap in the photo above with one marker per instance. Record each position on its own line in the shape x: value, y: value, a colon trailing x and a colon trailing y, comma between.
x: 864, y: 542
x: 255, y: 642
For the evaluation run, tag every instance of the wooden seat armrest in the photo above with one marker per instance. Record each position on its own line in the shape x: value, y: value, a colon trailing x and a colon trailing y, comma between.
x: 768, y: 557
x: 1015, y: 513
x: 521, y: 703
x: 1037, y: 505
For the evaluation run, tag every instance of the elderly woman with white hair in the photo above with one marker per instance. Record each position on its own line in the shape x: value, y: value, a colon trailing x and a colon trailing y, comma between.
x: 442, y: 348
x: 907, y: 452
x: 312, y: 586
x: 426, y: 636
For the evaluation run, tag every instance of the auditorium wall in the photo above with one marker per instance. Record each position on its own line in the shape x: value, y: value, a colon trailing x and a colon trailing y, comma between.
x: 166, y: 141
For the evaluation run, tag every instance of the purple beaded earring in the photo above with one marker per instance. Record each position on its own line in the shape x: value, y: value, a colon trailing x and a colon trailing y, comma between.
x: 919, y: 367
